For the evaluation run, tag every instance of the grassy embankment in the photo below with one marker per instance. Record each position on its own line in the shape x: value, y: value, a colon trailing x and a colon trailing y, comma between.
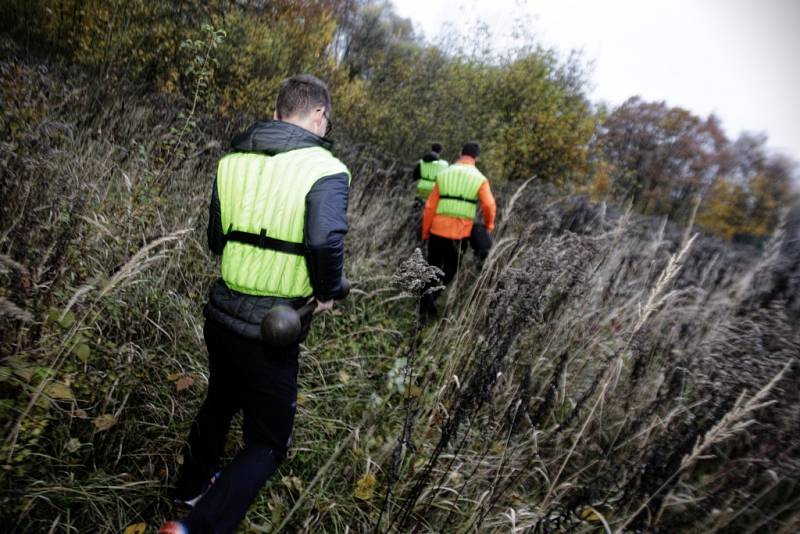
x: 599, y: 372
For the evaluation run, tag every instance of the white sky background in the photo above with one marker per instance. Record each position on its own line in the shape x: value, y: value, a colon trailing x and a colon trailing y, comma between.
x: 739, y: 59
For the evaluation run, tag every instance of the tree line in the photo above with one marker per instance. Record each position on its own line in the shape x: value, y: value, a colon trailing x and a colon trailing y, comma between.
x: 528, y: 105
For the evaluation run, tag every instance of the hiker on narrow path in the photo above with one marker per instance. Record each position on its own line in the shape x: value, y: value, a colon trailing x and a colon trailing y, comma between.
x: 278, y: 217
x: 426, y: 169
x: 447, y: 221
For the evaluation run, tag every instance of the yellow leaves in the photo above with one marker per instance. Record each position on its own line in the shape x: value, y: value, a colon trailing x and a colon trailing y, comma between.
x: 601, y: 181
x: 412, y: 392
x: 184, y: 382
x: 589, y: 514
x: 58, y: 391
x: 498, y: 447
x: 25, y: 373
x: 725, y: 209
x: 264, y: 48
x: 365, y: 487
x: 292, y: 482
x: 136, y: 528
x: 73, y: 445
x: 104, y: 422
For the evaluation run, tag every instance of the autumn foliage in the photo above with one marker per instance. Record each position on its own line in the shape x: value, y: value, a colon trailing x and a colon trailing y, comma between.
x: 528, y: 105
x: 601, y: 370
x: 665, y: 160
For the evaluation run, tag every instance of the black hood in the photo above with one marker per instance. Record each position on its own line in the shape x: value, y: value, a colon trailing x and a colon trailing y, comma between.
x: 273, y: 137
x: 430, y: 156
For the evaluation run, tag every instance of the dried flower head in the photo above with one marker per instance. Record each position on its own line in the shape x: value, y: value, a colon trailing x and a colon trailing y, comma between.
x: 415, y: 277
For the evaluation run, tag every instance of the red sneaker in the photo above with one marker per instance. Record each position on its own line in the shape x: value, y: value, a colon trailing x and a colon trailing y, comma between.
x: 173, y: 527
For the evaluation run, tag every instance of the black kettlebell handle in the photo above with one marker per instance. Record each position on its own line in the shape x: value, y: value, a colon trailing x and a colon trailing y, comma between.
x: 310, y: 306
x: 306, y: 309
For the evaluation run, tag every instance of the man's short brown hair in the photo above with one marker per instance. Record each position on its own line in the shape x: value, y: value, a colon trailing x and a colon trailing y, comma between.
x: 302, y: 94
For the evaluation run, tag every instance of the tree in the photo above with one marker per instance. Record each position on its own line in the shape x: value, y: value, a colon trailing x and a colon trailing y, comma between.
x: 770, y: 192
x: 663, y: 156
x: 725, y: 209
x: 373, y: 35
x: 749, y: 203
x: 543, y: 121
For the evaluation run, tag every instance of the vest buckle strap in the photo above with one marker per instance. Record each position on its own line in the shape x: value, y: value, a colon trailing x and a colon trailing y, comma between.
x: 462, y: 199
x: 262, y: 240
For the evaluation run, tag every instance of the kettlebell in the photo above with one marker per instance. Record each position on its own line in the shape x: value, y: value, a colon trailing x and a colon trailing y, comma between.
x: 282, y: 324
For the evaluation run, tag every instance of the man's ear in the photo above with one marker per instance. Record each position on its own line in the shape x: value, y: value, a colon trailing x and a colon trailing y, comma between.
x: 275, y: 115
x: 316, y: 120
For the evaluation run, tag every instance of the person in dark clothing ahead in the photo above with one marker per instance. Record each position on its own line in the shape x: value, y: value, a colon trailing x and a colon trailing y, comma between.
x: 278, y: 217
x: 426, y: 169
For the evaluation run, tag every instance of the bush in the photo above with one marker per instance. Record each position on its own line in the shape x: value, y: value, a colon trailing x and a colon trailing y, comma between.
x: 598, y: 366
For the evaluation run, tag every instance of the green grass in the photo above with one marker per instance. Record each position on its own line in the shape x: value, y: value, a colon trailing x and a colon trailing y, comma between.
x: 581, y: 377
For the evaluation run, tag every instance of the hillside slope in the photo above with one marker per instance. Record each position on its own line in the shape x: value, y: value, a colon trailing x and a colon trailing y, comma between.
x: 598, y: 371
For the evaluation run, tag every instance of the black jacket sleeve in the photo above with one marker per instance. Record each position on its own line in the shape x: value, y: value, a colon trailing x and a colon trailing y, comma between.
x: 325, y: 228
x: 216, y: 241
x: 417, y: 175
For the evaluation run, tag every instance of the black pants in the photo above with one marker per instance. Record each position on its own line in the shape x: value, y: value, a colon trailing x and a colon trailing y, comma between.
x: 262, y: 383
x: 445, y: 254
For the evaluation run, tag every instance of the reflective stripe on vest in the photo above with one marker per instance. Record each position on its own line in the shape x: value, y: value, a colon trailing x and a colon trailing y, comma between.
x: 458, y: 191
x: 427, y: 172
x: 265, y: 196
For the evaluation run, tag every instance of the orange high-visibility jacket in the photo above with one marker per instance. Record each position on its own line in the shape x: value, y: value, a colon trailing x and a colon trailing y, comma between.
x: 456, y: 227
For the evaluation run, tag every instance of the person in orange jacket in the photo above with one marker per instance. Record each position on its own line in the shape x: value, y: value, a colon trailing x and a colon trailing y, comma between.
x: 449, y: 213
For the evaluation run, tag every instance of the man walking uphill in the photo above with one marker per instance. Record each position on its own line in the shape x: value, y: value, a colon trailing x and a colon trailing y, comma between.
x: 426, y: 169
x: 447, y: 220
x: 278, y: 218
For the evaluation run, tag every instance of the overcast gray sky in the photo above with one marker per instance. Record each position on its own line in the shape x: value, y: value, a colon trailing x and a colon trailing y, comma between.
x: 737, y: 58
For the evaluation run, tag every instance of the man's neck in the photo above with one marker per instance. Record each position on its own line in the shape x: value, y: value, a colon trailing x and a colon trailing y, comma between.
x: 303, y: 123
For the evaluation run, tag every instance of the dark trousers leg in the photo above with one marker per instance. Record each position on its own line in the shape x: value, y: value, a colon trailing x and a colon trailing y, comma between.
x: 206, y: 441
x: 226, y: 503
x: 454, y: 250
x: 263, y: 383
x: 446, y: 255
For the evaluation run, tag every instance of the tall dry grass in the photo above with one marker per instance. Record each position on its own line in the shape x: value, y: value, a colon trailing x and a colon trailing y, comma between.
x: 598, y: 372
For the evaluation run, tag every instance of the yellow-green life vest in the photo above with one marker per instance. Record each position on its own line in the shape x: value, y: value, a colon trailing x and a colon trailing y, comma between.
x: 458, y: 190
x: 262, y: 204
x: 427, y: 172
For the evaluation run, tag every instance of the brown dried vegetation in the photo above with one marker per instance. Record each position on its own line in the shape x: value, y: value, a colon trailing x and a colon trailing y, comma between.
x: 599, y: 371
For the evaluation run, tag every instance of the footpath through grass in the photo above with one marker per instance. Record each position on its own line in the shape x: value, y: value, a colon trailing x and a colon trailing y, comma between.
x: 598, y: 371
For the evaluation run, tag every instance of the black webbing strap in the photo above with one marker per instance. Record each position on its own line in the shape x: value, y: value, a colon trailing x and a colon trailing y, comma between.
x: 427, y: 179
x: 262, y: 240
x: 462, y: 199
